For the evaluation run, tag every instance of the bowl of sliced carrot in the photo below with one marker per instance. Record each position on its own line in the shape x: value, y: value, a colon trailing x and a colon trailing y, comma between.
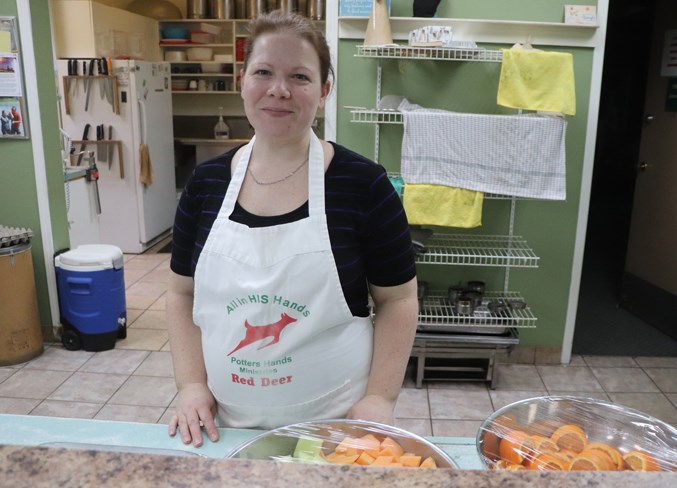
x: 562, y: 433
x: 344, y: 442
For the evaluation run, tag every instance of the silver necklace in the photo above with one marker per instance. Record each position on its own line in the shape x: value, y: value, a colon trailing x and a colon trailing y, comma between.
x: 276, y: 181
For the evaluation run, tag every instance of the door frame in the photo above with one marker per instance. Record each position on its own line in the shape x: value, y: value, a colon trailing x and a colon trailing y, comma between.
x: 25, y: 22
x: 586, y: 180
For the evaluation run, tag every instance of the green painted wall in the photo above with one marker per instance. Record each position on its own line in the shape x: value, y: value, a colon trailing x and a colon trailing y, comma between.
x: 18, y: 192
x: 522, y: 10
x: 549, y: 227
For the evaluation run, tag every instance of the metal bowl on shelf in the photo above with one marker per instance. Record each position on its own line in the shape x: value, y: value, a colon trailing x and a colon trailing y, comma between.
x: 281, y: 442
x: 621, y: 427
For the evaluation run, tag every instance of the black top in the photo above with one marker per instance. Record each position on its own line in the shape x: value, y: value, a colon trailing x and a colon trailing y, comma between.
x: 368, y: 228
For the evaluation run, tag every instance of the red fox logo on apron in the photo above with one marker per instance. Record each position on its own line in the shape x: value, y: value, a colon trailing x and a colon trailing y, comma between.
x: 254, y: 333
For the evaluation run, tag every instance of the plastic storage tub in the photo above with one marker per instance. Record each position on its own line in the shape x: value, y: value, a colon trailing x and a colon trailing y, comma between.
x: 91, y: 285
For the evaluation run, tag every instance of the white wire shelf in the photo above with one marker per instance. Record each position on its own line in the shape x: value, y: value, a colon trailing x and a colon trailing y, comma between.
x: 430, y: 53
x: 367, y: 116
x: 438, y: 315
x: 469, y: 250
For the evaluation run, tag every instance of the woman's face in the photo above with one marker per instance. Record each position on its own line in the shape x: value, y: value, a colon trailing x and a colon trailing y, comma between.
x: 281, y: 87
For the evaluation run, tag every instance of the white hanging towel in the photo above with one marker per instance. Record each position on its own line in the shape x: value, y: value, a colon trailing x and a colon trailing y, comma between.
x: 517, y: 155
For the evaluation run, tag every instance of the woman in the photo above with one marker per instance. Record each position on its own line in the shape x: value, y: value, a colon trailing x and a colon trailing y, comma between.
x: 267, y: 305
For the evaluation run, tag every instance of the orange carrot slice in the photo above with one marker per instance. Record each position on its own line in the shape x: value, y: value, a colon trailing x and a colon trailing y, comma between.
x: 365, y: 459
x: 428, y: 463
x: 410, y: 460
x: 383, y: 461
x: 392, y: 445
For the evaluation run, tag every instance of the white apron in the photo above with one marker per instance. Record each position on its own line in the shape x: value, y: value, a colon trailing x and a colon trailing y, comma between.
x: 279, y: 341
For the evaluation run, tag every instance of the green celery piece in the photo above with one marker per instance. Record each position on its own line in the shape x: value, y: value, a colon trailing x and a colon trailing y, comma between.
x: 308, y: 448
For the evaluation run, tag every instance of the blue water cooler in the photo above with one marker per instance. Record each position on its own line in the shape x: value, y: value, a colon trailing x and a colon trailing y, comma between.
x: 91, y: 285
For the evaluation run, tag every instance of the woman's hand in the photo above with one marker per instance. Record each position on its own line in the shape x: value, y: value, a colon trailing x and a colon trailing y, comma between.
x: 195, y: 408
x: 373, y: 408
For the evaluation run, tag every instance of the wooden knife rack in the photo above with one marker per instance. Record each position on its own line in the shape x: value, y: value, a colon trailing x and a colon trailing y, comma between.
x: 67, y: 80
x: 117, y: 143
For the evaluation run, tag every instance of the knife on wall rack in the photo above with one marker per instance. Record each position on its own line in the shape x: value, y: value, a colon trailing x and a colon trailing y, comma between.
x: 83, y: 146
x: 101, y: 152
x: 110, y: 148
x: 88, y: 82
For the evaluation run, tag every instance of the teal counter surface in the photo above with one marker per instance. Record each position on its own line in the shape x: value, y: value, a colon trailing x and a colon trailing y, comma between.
x: 28, y: 430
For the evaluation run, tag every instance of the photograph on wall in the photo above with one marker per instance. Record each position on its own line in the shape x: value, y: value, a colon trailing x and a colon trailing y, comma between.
x: 12, y: 107
x: 11, y: 117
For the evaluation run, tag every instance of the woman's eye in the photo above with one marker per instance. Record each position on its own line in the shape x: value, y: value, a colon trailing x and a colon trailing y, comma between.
x: 301, y: 77
x: 262, y: 72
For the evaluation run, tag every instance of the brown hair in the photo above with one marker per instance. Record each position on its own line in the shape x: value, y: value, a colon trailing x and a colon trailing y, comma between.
x: 278, y: 21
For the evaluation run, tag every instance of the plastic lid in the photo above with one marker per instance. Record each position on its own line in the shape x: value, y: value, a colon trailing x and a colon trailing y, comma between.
x: 98, y: 255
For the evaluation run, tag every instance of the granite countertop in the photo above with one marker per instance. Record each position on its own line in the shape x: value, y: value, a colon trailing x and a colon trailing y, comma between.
x: 42, y: 466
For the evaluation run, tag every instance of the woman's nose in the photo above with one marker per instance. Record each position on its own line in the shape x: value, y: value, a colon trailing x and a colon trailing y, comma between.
x: 279, y: 88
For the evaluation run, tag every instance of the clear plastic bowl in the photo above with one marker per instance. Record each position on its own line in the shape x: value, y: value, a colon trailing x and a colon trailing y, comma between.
x: 281, y: 442
x: 623, y: 428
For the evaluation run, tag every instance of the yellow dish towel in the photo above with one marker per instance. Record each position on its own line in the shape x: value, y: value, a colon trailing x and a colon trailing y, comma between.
x: 443, y: 205
x: 537, y: 80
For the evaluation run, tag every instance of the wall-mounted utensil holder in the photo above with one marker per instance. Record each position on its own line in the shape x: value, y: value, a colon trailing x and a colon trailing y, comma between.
x: 115, y: 143
x: 111, y: 82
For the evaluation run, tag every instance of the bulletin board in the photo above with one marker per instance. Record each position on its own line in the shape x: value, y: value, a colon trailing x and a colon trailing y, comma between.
x: 13, y: 116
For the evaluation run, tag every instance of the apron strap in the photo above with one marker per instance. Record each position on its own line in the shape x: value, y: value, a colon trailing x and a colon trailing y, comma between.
x: 236, y: 182
x: 315, y: 177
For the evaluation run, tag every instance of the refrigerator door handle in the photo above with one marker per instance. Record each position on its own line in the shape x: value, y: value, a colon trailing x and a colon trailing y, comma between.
x: 143, y: 122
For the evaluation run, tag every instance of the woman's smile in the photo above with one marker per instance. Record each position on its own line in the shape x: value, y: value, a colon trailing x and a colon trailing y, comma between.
x: 277, y: 112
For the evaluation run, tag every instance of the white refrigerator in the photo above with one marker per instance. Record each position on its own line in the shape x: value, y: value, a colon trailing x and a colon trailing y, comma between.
x: 131, y: 215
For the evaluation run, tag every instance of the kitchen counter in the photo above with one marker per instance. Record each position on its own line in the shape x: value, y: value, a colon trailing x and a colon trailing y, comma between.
x: 46, y: 451
x: 206, y: 149
x: 199, y: 141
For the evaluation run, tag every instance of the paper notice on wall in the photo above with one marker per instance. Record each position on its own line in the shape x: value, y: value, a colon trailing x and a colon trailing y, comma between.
x: 10, y: 77
x: 669, y: 62
x: 357, y: 8
x: 580, y: 14
x: 5, y: 41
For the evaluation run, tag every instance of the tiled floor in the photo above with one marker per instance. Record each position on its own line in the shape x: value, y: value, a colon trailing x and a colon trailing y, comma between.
x: 133, y: 382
